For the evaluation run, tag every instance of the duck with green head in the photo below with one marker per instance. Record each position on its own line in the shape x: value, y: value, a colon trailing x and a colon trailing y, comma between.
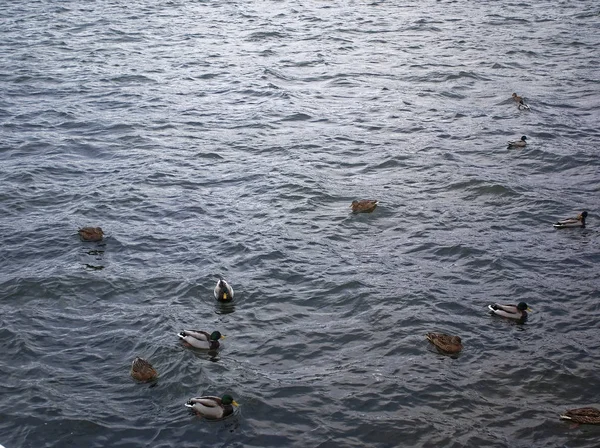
x: 201, y: 339
x: 518, y: 143
x: 212, y: 408
x: 223, y: 291
x: 578, y: 221
x: 517, y: 312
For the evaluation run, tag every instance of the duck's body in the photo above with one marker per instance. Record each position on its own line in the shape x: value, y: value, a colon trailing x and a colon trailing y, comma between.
x: 445, y: 343
x: 91, y: 234
x: 201, y: 339
x: 578, y: 221
x: 516, y: 312
x: 518, y: 143
x: 589, y: 416
x: 223, y: 291
x: 213, y: 408
x: 520, y: 103
x: 364, y: 205
x: 142, y: 370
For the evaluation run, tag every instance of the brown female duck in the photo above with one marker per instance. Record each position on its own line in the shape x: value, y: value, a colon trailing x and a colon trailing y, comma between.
x: 445, y: 343
x: 91, y: 234
x: 142, y: 370
x: 364, y: 205
x: 519, y: 100
x: 589, y: 416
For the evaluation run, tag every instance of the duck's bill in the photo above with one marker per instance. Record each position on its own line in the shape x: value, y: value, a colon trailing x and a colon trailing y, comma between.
x: 529, y: 309
x: 235, y: 403
x: 222, y: 336
x: 225, y: 296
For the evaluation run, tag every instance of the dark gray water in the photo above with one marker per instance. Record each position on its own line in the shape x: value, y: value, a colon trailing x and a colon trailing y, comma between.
x: 229, y: 138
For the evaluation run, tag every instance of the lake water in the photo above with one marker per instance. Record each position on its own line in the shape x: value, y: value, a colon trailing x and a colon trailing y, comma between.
x: 228, y: 139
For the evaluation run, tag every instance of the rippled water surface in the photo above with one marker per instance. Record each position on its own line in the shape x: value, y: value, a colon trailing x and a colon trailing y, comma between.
x: 228, y: 139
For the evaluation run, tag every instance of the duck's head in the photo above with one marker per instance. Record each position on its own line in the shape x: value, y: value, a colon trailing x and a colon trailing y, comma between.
x: 456, y: 340
x: 514, y: 95
x: 523, y: 138
x: 216, y: 335
x: 582, y: 216
x: 228, y: 399
x: 522, y: 306
x: 354, y: 203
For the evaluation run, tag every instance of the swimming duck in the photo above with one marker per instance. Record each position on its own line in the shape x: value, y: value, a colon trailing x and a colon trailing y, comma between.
x: 518, y: 143
x: 223, y: 291
x: 201, y: 339
x: 213, y: 408
x: 578, y: 221
x: 91, y: 234
x: 518, y: 312
x: 590, y: 416
x: 521, y: 104
x: 364, y: 206
x: 445, y: 343
x: 142, y: 370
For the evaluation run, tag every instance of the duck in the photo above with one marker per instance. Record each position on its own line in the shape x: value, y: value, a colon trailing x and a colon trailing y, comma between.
x: 578, y: 221
x: 91, y: 234
x: 518, y: 143
x: 201, y: 339
x: 521, y: 104
x: 364, y: 205
x: 590, y: 416
x: 142, y: 370
x: 445, y: 343
x: 213, y: 408
x: 518, y: 312
x: 223, y: 291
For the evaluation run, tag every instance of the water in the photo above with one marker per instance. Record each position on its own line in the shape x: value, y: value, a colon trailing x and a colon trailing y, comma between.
x: 229, y: 138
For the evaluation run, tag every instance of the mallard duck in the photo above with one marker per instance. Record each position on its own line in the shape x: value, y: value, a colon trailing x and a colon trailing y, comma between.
x: 518, y: 312
x: 518, y: 143
x: 201, y: 339
x: 521, y: 104
x: 223, y: 291
x: 445, y: 343
x: 364, y: 205
x: 590, y: 416
x: 142, y: 370
x: 91, y: 234
x: 578, y: 221
x: 213, y: 408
